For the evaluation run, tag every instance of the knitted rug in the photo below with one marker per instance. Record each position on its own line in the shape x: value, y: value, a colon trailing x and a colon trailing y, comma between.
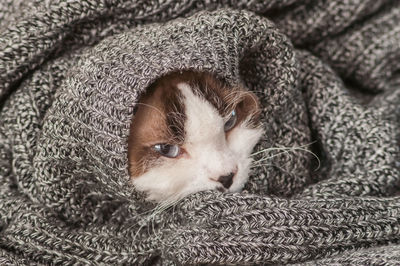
x: 325, y: 179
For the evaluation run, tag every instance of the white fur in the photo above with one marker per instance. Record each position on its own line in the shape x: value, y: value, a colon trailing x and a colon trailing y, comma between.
x: 210, y: 154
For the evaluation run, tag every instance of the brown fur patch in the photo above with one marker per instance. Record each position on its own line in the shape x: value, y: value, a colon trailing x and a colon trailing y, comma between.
x: 159, y: 118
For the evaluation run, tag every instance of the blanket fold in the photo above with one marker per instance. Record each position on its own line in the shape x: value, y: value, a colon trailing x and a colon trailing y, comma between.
x: 289, y: 231
x: 326, y: 174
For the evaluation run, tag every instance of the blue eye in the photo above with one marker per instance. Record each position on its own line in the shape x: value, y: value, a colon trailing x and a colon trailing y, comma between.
x: 231, y: 121
x: 167, y: 150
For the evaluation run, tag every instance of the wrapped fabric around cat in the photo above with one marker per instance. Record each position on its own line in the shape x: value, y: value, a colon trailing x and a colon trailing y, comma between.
x: 324, y: 181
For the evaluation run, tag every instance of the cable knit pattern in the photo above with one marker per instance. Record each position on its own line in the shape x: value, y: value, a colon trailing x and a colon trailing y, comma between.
x: 326, y: 73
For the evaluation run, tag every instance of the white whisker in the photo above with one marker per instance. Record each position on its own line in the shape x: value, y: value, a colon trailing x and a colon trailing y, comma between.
x: 156, y: 211
x: 284, y: 150
x: 153, y: 107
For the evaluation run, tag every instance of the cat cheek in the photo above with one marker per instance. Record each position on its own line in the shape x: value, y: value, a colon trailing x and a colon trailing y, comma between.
x: 242, y: 139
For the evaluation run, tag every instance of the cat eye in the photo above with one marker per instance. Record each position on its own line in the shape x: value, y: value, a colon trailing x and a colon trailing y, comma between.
x: 231, y: 121
x: 167, y: 150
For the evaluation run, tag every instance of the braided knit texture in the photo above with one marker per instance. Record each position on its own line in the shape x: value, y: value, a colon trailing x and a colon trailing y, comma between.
x: 325, y: 183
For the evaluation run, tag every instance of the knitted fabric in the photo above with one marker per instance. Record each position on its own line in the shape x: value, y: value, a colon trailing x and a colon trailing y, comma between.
x: 326, y: 73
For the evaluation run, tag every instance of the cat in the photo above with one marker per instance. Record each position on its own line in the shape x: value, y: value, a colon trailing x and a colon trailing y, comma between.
x: 192, y: 132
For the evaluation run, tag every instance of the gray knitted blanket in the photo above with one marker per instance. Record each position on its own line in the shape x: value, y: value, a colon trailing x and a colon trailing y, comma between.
x: 326, y: 175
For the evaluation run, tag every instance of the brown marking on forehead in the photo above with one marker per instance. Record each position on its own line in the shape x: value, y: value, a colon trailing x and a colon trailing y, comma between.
x: 207, y: 86
x: 223, y: 97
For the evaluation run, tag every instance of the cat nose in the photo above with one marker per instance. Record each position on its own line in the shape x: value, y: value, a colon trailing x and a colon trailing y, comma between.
x: 226, y: 180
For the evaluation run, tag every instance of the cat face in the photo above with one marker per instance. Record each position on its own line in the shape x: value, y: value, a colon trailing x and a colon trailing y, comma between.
x: 192, y: 133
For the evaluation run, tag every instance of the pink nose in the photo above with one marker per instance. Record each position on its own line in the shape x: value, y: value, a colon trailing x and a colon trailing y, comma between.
x: 226, y: 180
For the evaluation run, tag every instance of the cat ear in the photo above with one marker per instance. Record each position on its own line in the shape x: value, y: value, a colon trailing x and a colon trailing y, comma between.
x: 248, y: 108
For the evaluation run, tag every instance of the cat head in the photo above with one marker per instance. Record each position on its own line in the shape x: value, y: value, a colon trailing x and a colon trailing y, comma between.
x: 192, y: 132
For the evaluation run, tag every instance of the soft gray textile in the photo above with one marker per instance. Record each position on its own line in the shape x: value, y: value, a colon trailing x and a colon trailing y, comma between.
x: 326, y: 72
